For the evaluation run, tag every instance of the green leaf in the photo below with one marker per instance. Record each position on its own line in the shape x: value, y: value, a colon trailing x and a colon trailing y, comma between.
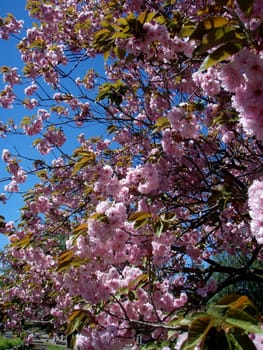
x: 4, y: 69
x: 187, y: 30
x: 99, y: 217
x: 218, y: 36
x: 68, y: 259
x: 243, y: 320
x: 120, y: 53
x: 219, y: 55
x: 26, y: 121
x: 235, y: 302
x: 22, y: 243
x: 215, y: 340
x: 225, y: 117
x: 111, y: 129
x: 112, y: 91
x: 197, y: 331
x: 140, y: 215
x: 172, y: 334
x: 140, y: 219
x: 65, y: 260
x: 227, y: 300
x: 140, y: 223
x: 86, y: 158
x: 168, y: 217
x: 246, y: 6
x: 80, y: 230
x: 161, y: 123
x: 199, y: 314
x: 138, y: 282
x: 207, y: 25
x: 240, y: 341
x: 146, y: 16
x: 121, y: 35
x: 130, y: 57
x: 159, y: 227
x: 78, y: 320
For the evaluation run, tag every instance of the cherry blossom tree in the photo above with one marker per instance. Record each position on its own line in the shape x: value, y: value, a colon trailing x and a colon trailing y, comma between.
x: 121, y: 236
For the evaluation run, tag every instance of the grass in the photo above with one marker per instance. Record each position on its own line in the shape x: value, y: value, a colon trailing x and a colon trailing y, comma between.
x: 6, y: 343
x: 55, y: 347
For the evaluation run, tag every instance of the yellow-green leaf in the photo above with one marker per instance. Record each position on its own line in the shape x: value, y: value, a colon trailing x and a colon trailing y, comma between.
x: 234, y: 301
x: 85, y: 158
x: 78, y: 320
x: 246, y: 6
x: 197, y: 332
x: 219, y: 55
x: 161, y: 123
x: 22, y: 243
x: 187, y: 30
x: 4, y: 69
x: 208, y: 24
x: 81, y: 229
x: 240, y: 341
x: 218, y: 36
x: 138, y: 216
x: 98, y: 217
x: 65, y: 260
x: 243, y: 320
x: 146, y: 16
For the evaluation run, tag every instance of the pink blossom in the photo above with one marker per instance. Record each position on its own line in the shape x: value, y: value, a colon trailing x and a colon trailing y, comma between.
x: 12, y: 187
x: 175, y: 117
x: 10, y: 26
x: 208, y: 82
x: 81, y: 342
x: 149, y: 178
x: 29, y: 339
x: 31, y: 89
x: 44, y: 147
x: 116, y: 214
x: 248, y: 102
x: 255, y: 202
x: 6, y: 155
x: 55, y: 137
x: 30, y: 103
x: 257, y: 339
x: 20, y: 176
x: 12, y: 77
x: 43, y: 114
x: 231, y: 77
x: 7, y: 97
x: 34, y: 128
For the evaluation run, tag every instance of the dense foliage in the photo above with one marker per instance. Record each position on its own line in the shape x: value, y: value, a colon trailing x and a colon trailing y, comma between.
x: 121, y: 237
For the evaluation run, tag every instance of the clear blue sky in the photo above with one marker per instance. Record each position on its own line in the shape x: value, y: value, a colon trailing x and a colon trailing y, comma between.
x: 10, y: 57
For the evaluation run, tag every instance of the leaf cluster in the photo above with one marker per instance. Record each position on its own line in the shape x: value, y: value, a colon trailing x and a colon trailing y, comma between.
x: 225, y: 325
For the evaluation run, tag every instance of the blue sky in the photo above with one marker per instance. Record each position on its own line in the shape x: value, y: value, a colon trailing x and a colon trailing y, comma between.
x: 10, y: 57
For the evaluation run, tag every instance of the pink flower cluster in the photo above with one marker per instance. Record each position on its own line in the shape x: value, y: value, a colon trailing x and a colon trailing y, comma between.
x: 18, y: 174
x: 7, y: 97
x: 243, y: 77
x: 11, y: 77
x: 255, y: 202
x: 52, y: 138
x: 37, y: 124
x: 41, y: 205
x: 208, y: 82
x: 10, y: 26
